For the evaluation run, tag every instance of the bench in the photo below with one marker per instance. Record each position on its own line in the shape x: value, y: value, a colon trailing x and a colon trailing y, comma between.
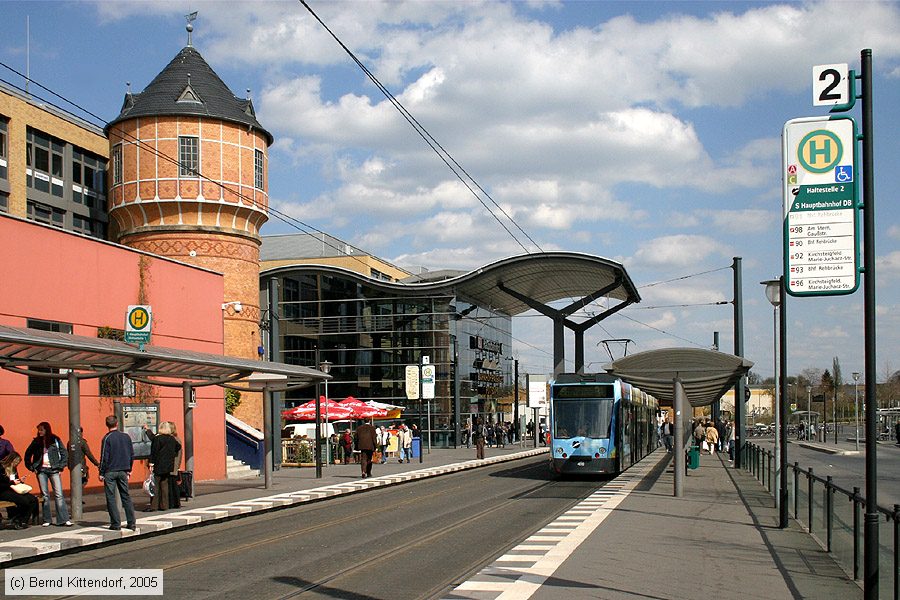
x: 7, y: 504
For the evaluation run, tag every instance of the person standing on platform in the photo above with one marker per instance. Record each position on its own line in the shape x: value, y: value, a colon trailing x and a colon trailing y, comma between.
x: 366, y: 441
x: 164, y: 448
x: 116, y: 460
x: 668, y: 434
x: 478, y: 435
x: 404, y: 443
x: 6, y: 447
x: 47, y: 456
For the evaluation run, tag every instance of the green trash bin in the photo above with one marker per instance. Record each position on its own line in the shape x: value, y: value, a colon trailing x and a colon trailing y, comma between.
x: 693, y: 457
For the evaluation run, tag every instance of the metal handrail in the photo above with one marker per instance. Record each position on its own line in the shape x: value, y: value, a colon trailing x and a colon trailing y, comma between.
x: 758, y: 462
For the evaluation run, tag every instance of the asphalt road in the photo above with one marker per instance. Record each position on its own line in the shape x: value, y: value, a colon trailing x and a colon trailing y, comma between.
x: 409, y: 541
x: 848, y: 470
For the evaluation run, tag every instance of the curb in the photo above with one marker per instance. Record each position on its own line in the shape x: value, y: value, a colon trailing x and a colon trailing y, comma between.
x: 85, y: 538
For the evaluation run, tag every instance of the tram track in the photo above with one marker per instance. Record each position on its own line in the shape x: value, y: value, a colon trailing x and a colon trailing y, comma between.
x: 327, y: 575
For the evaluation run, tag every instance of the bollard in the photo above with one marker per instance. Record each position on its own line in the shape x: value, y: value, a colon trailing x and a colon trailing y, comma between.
x: 829, y: 510
x: 796, y: 490
x: 856, y: 553
x: 809, y: 499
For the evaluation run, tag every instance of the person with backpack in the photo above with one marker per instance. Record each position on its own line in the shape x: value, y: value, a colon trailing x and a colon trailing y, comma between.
x: 47, y: 456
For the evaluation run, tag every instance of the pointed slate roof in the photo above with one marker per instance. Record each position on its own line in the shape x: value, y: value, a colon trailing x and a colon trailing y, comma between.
x: 208, y: 95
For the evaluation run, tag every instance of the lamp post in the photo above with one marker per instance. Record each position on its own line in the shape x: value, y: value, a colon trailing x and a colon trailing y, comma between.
x: 856, y: 405
x: 773, y: 295
x: 325, y: 367
x: 808, y: 411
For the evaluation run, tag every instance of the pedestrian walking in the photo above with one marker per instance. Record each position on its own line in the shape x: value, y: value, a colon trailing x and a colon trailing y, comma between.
x: 47, y: 456
x: 478, y: 434
x: 712, y: 437
x: 116, y: 460
x: 347, y: 446
x: 366, y: 442
x: 668, y: 431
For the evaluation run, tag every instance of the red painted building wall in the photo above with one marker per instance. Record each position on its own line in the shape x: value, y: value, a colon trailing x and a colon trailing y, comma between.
x: 53, y: 275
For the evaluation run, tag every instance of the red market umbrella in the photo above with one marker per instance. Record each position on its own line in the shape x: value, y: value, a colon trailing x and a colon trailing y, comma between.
x: 329, y: 410
x: 361, y: 410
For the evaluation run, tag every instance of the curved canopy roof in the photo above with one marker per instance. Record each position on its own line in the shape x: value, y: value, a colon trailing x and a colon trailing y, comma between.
x: 543, y: 277
x: 705, y: 374
x: 22, y: 347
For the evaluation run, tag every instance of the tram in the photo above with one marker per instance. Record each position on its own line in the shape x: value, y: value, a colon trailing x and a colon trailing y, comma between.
x: 599, y: 424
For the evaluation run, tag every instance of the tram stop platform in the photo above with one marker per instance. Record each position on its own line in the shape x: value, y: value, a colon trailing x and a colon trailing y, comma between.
x: 630, y: 539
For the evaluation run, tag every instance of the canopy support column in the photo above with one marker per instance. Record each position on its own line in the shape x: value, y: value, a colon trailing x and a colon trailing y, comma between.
x: 268, y: 431
x: 561, y: 321
x: 187, y: 397
x: 679, y: 436
x: 75, y: 484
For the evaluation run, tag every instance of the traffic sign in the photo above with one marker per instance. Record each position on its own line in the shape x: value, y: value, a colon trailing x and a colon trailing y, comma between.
x: 412, y: 382
x: 821, y: 250
x: 428, y: 373
x: 831, y: 85
x: 138, y: 324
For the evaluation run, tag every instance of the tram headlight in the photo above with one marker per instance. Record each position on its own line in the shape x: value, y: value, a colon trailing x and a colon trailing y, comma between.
x: 559, y: 450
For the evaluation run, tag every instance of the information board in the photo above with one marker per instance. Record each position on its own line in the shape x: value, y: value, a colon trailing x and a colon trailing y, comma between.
x: 132, y: 419
x: 821, y: 250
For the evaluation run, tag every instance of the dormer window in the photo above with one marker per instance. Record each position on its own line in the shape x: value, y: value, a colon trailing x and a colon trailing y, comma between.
x: 189, y: 95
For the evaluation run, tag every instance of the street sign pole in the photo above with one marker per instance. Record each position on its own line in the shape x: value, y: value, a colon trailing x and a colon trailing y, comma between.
x: 870, y: 531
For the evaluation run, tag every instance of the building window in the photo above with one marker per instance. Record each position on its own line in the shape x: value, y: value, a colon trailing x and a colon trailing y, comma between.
x: 114, y: 385
x: 4, y: 202
x: 88, y: 179
x: 117, y: 164
x: 44, y: 386
x: 188, y: 156
x: 49, y: 215
x: 88, y: 226
x: 44, y: 159
x: 4, y: 173
x: 258, y: 169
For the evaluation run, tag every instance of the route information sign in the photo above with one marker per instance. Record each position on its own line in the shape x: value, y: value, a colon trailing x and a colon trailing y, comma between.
x: 821, y: 250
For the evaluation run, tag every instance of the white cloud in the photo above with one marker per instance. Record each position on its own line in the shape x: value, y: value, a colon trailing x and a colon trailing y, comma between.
x: 677, y: 251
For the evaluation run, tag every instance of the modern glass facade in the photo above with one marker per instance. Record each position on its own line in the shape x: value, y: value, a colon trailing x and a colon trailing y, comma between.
x: 371, y: 331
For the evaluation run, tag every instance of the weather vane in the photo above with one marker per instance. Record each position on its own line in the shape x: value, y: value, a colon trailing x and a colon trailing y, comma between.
x: 190, y: 19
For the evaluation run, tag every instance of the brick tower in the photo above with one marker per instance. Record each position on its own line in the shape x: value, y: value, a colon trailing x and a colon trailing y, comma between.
x: 189, y: 181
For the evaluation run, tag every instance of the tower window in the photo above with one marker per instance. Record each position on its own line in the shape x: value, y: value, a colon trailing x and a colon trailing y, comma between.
x: 117, y: 164
x: 258, y: 169
x: 188, y: 156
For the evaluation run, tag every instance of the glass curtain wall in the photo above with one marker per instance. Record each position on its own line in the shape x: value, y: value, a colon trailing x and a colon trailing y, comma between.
x: 370, y: 336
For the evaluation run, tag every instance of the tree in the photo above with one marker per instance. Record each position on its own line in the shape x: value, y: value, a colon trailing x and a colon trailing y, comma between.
x: 754, y: 378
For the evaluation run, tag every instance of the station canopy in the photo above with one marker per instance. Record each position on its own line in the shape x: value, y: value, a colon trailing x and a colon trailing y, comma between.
x: 21, y: 348
x: 542, y: 277
x: 705, y: 374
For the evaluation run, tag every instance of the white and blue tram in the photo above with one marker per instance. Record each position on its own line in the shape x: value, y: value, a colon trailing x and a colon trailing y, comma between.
x: 599, y: 424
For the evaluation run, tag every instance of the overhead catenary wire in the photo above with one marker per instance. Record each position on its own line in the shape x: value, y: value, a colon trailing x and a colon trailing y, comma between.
x: 429, y: 139
x: 284, y: 217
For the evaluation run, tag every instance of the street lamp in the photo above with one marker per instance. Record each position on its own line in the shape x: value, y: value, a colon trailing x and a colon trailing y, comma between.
x: 856, y: 405
x: 808, y: 411
x: 773, y: 295
x: 325, y: 367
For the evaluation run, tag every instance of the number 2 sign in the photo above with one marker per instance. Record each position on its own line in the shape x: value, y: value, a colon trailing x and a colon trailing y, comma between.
x: 830, y: 85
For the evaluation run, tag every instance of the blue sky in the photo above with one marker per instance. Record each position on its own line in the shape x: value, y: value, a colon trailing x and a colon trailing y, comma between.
x: 643, y: 132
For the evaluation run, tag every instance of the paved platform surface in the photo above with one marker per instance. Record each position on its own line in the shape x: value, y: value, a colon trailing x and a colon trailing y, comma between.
x: 636, y: 540
x: 630, y: 539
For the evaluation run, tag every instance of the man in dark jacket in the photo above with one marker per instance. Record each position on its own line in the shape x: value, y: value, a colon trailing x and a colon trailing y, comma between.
x: 116, y: 458
x: 365, y: 443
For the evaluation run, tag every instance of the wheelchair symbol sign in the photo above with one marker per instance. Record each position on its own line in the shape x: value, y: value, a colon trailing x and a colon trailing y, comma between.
x: 843, y: 173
